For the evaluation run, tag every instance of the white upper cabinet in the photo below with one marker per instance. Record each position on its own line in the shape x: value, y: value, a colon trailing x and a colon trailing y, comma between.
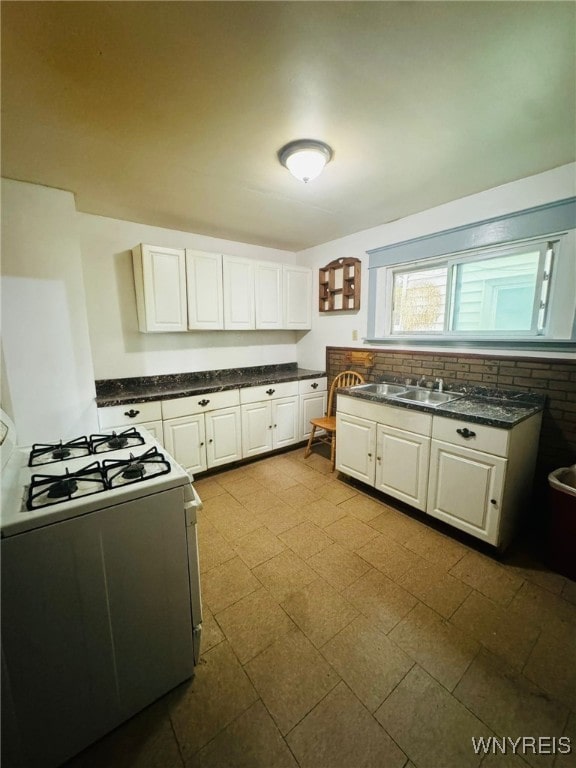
x: 297, y: 297
x: 181, y: 289
x: 205, y: 290
x: 238, y: 277
x: 160, y: 281
x: 268, y: 295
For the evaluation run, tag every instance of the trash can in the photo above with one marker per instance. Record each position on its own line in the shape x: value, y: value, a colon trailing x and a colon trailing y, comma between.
x: 562, y: 521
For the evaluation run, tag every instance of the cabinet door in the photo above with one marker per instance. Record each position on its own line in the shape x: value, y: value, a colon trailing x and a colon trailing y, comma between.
x: 256, y: 428
x: 312, y: 406
x: 297, y: 297
x: 160, y: 281
x: 402, y: 465
x: 268, y: 295
x: 156, y: 430
x: 185, y: 440
x: 355, y: 447
x: 238, y: 277
x: 465, y: 489
x: 205, y: 290
x: 285, y: 421
x: 223, y: 436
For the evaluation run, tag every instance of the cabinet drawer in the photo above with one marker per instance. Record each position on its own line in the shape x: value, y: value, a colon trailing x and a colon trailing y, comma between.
x: 400, y: 418
x: 476, y: 436
x: 188, y: 406
x: 268, y: 392
x: 312, y: 385
x: 129, y: 414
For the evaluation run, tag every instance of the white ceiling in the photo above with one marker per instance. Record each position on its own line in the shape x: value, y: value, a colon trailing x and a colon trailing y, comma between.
x: 171, y: 113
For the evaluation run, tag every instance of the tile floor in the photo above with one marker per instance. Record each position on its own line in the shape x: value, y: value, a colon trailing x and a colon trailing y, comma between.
x: 341, y: 633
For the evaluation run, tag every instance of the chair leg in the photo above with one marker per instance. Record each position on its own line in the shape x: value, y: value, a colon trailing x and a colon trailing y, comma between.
x: 308, y: 450
x: 333, y: 451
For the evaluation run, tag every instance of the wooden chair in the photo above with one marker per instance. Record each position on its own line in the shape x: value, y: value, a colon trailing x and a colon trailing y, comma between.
x: 328, y: 422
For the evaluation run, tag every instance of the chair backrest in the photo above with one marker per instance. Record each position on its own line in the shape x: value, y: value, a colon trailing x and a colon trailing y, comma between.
x: 344, y: 379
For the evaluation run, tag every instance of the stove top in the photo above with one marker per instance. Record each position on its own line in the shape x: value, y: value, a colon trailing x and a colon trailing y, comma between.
x: 52, y: 483
x: 49, y: 453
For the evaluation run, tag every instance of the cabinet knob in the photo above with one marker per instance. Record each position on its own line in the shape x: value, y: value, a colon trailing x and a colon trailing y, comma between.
x: 210, y: 441
x: 493, y: 501
x: 269, y: 426
x: 379, y: 458
x: 315, y: 385
x: 201, y: 444
x: 275, y: 425
x: 466, y: 432
x: 370, y: 455
x: 203, y: 402
x: 270, y: 391
x: 131, y: 413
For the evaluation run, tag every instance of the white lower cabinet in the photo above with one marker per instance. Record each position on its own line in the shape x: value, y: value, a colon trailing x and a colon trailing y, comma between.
x: 313, y: 397
x: 475, y: 477
x: 203, y: 431
x: 269, y: 417
x: 269, y: 425
x: 392, y: 460
x: 355, y: 447
x: 204, y: 440
x: 466, y: 489
x: 185, y: 440
x: 402, y: 465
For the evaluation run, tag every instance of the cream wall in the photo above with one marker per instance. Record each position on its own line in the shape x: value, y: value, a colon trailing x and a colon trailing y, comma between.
x: 336, y: 329
x: 47, y: 378
x: 119, y: 349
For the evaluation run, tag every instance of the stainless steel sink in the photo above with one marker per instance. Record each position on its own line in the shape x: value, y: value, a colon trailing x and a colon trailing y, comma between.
x: 381, y: 389
x: 426, y: 396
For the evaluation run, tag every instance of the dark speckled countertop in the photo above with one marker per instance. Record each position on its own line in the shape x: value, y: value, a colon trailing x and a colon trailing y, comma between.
x: 480, y: 405
x: 148, y: 388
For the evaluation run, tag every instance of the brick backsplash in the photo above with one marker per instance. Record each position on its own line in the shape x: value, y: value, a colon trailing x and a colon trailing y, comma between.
x: 554, y: 378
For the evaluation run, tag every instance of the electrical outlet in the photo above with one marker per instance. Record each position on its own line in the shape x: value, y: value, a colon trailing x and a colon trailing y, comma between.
x: 354, y: 335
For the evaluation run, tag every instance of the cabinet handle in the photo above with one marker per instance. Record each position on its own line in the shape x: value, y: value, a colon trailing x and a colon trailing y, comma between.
x: 466, y: 432
x: 131, y: 413
x: 315, y: 385
x: 203, y: 402
x: 270, y: 391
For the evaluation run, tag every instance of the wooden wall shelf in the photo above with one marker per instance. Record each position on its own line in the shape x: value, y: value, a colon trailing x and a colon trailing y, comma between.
x: 340, y: 285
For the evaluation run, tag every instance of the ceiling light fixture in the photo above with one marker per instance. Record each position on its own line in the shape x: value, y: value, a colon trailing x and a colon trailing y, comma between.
x: 305, y: 158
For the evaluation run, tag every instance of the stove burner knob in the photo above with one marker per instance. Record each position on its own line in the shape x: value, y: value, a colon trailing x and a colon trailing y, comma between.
x: 131, y: 413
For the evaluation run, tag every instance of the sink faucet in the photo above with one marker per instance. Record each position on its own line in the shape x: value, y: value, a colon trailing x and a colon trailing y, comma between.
x: 422, y: 381
x: 440, y: 383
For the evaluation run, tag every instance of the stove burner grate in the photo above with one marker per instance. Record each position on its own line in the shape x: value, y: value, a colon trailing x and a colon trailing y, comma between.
x: 135, y: 469
x: 52, y: 489
x: 129, y: 438
x: 47, y: 453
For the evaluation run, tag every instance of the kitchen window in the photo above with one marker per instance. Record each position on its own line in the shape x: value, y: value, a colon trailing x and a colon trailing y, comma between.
x: 503, y: 292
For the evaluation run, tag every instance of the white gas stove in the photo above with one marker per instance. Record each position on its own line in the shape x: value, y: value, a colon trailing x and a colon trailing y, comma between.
x: 101, y: 600
x: 46, y: 484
